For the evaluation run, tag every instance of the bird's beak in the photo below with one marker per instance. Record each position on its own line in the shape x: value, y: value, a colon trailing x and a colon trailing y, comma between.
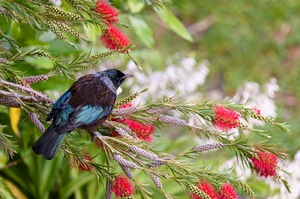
x: 127, y: 75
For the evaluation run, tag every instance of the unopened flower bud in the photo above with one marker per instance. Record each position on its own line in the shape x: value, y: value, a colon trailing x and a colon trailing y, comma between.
x: 172, y: 120
x: 124, y: 162
x: 143, y: 153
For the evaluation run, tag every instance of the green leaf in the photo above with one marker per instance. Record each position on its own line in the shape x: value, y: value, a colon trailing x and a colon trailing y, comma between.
x: 76, y: 183
x: 92, y: 32
x: 40, y: 62
x: 135, y: 6
x: 47, y: 36
x: 142, y: 30
x: 173, y: 23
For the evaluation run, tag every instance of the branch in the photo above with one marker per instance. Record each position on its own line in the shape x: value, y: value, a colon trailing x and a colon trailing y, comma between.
x: 30, y: 91
x: 17, y: 96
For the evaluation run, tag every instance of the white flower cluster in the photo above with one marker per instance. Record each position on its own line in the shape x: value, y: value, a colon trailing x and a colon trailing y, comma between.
x: 184, y: 77
x: 259, y: 97
x: 293, y: 178
x: 56, y: 2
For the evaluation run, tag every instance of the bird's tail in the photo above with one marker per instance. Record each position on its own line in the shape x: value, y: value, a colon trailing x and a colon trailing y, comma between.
x: 49, y: 143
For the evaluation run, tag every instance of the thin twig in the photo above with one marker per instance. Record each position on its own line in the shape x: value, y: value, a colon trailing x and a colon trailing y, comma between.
x: 18, y: 96
x: 28, y: 90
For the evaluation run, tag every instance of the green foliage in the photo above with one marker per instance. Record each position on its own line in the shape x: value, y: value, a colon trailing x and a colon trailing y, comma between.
x: 5, y: 143
x: 142, y: 30
x: 173, y: 23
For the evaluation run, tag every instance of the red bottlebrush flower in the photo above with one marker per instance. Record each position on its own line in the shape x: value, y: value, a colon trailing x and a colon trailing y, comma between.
x: 25, y: 83
x: 256, y: 110
x: 142, y: 131
x: 122, y: 187
x: 114, y: 39
x: 207, y: 188
x: 107, y: 13
x: 225, y: 118
x: 83, y: 165
x: 129, y: 104
x: 227, y: 192
x: 99, y: 143
x: 265, y: 163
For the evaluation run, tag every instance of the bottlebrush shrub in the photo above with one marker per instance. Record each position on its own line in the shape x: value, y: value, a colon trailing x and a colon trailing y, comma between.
x: 133, y: 155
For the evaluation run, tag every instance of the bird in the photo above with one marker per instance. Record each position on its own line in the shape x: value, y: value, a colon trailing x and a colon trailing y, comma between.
x: 86, y: 104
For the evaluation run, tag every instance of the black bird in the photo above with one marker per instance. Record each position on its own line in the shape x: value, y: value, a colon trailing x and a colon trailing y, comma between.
x: 86, y: 105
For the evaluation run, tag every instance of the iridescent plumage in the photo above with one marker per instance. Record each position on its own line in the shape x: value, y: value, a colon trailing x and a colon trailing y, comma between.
x: 86, y: 105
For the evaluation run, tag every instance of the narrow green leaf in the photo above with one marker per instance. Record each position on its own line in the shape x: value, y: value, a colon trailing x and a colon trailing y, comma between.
x: 173, y: 23
x: 142, y: 30
x: 92, y: 32
x: 50, y: 171
x: 75, y: 184
x: 40, y: 62
x: 135, y: 6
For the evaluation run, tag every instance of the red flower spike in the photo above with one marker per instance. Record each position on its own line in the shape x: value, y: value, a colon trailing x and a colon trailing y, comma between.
x: 207, y: 188
x: 26, y: 84
x: 82, y: 165
x: 256, y: 110
x: 227, y: 192
x: 265, y: 163
x: 142, y: 131
x: 107, y: 13
x: 225, y: 118
x: 99, y: 143
x: 122, y: 187
x: 114, y: 39
x: 129, y: 104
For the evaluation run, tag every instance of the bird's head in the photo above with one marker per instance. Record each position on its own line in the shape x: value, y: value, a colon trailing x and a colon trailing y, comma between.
x: 116, y: 76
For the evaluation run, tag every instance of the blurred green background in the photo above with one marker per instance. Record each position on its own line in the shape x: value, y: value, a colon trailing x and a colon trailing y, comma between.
x: 244, y: 41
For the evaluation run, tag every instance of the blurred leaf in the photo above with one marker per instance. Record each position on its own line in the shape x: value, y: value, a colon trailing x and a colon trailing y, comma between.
x: 41, y: 62
x: 4, y: 193
x: 47, y: 36
x: 142, y: 30
x: 49, y: 170
x: 17, y: 193
x: 174, y: 23
x: 92, y: 32
x: 15, y: 29
x: 14, y: 116
x: 44, y: 173
x: 262, y: 188
x: 5, y: 147
x: 3, y: 160
x: 75, y: 184
x: 135, y: 6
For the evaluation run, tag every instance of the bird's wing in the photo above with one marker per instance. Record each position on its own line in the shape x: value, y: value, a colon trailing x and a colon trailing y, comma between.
x: 59, y: 105
x: 88, y: 114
